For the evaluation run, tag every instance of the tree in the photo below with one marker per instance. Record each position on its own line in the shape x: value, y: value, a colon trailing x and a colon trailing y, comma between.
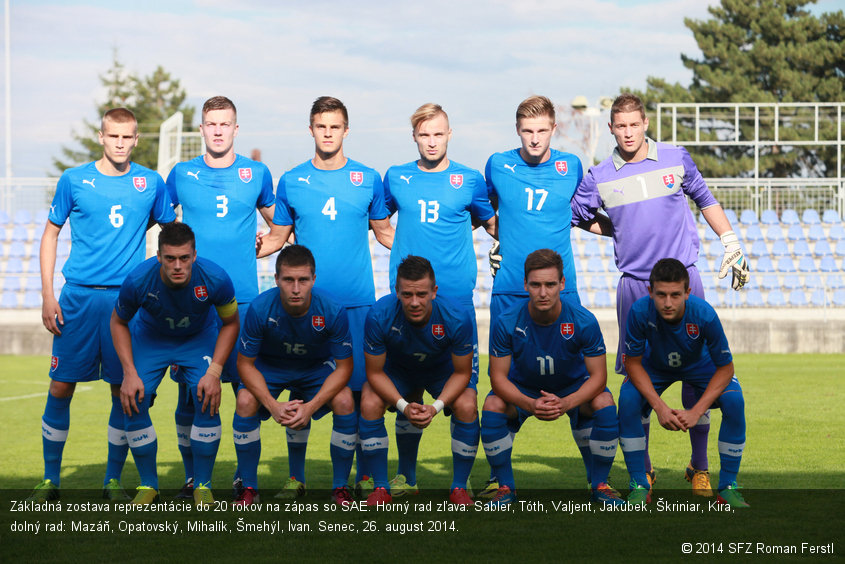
x: 761, y: 51
x: 152, y: 99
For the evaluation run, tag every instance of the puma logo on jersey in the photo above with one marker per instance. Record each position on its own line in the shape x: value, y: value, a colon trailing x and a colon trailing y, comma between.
x: 153, y: 296
x: 651, y: 324
x: 407, y: 179
x: 397, y: 329
x: 244, y: 343
x: 305, y: 180
x: 273, y: 321
x: 196, y: 174
x: 91, y: 182
x: 619, y: 191
x: 521, y: 330
x: 512, y: 168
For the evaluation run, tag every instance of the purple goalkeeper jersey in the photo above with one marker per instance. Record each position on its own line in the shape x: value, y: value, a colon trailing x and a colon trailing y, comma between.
x: 645, y: 201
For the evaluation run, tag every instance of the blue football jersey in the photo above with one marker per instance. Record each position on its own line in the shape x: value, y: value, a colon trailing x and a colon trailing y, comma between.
x: 435, y: 211
x: 534, y: 212
x: 295, y: 343
x: 219, y: 204
x: 694, y: 346
x: 108, y: 220
x: 547, y: 357
x: 418, y: 352
x: 330, y: 211
x: 174, y: 312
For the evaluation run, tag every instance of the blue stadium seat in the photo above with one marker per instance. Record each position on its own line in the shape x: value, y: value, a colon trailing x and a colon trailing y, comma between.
x: 381, y: 264
x: 606, y: 246
x: 839, y: 250
x: 753, y: 233
x: 595, y: 264
x: 795, y: 232
x: 64, y: 234
x: 780, y: 248
x: 792, y: 282
x: 753, y: 298
x: 17, y: 250
x: 838, y: 297
x: 816, y: 232
x: 789, y: 217
x: 813, y: 281
x: 40, y: 217
x: 591, y: 249
x: 770, y: 282
x: 807, y: 264
x: 602, y: 299
x: 20, y: 233
x: 731, y: 216
x: 9, y: 300
x: 810, y: 217
x: 31, y: 300
x: 708, y: 282
x: 834, y: 282
x: 774, y: 233
x: 748, y: 217
x: 758, y: 249
x: 822, y: 248
x: 837, y: 232
x: 715, y: 249
x: 785, y: 264
x: 764, y: 264
x: 11, y: 283
x: 776, y: 299
x: 599, y: 283
x: 710, y: 235
x: 818, y: 298
x: 32, y: 283
x: 797, y: 298
x: 4, y: 218
x: 831, y: 216
x: 801, y: 248
x: 14, y: 266
x: 769, y: 217
x: 23, y: 217
x: 716, y: 299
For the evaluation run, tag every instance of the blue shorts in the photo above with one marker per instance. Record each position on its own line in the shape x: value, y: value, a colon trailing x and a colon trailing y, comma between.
x: 303, y: 384
x: 84, y: 351
x: 411, y: 387
x: 357, y: 317
x: 470, y: 307
x: 662, y: 381
x: 574, y: 414
x: 154, y: 353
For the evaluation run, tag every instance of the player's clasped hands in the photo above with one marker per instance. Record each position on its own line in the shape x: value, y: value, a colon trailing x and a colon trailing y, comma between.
x: 420, y: 415
x: 547, y: 407
x: 669, y: 419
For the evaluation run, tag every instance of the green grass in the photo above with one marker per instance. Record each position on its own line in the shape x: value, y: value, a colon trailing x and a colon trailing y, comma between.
x: 796, y: 429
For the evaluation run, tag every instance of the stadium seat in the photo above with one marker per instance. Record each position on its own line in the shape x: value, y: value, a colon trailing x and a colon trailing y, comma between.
x: 753, y: 233
x: 831, y: 216
x: 776, y: 299
x: 818, y: 298
x: 801, y: 248
x: 816, y: 232
x: 780, y: 248
x: 32, y: 283
x: 822, y: 248
x: 715, y: 249
x: 839, y: 250
x: 834, y: 282
x: 792, y: 282
x: 599, y: 283
x: 64, y: 234
x: 11, y: 283
x: 770, y: 282
x: 17, y: 250
x: 810, y: 217
x: 769, y: 217
x: 602, y: 299
x: 797, y: 298
x: 785, y: 264
x: 23, y: 217
x: 732, y: 218
x: 9, y: 300
x: 748, y: 217
x: 807, y: 264
x: 789, y: 217
x: 20, y: 233
x: 838, y: 297
x: 774, y: 233
x: 4, y: 218
x: 381, y: 264
x: 595, y: 264
x: 31, y: 300
x: 795, y: 232
x: 764, y: 264
x: 591, y: 249
x: 708, y: 282
x: 710, y: 235
x: 715, y: 298
x: 837, y: 232
x: 753, y: 298
x: 14, y: 266
x: 41, y: 217
x: 813, y: 281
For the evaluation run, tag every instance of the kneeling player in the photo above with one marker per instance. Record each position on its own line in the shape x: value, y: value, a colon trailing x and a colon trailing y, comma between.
x: 415, y: 341
x: 296, y: 338
x: 686, y: 343
x: 173, y: 295
x: 547, y: 358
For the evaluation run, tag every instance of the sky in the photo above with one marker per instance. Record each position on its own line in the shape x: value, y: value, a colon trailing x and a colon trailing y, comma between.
x: 478, y: 59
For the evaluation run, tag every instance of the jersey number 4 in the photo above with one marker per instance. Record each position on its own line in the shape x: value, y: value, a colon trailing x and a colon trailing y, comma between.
x: 329, y: 209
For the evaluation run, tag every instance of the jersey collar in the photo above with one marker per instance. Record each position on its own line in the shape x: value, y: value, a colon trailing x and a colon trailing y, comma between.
x: 619, y: 162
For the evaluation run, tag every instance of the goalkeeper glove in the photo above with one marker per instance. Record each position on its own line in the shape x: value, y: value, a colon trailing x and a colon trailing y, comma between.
x: 495, y: 258
x: 734, y: 261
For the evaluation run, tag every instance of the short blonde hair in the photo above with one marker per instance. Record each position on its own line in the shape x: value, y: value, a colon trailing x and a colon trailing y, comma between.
x: 534, y: 107
x: 427, y: 112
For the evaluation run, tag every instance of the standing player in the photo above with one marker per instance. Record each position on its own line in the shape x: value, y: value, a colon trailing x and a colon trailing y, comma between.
x: 437, y: 200
x: 416, y: 341
x: 109, y: 203
x: 173, y: 295
x: 673, y: 336
x: 639, y: 183
x: 547, y: 358
x: 295, y: 338
x: 219, y: 192
x: 331, y: 201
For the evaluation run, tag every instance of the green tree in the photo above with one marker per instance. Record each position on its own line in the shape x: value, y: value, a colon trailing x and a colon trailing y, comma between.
x: 152, y: 99
x: 760, y: 51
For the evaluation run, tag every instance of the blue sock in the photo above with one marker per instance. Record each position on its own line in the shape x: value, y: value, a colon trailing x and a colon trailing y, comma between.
x: 142, y: 441
x: 465, y: 438
x: 498, y: 446
x: 297, y: 444
x: 374, y: 442
x: 632, y: 439
x: 54, y: 427
x: 184, y: 416
x: 247, y: 434
x: 646, y: 421
x: 205, y: 440
x: 731, y: 436
x: 342, y: 449
x: 118, y: 445
x: 603, y: 441
x: 581, y: 433
x: 408, y: 445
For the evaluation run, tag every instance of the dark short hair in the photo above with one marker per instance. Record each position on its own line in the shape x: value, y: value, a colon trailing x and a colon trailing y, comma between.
x: 625, y: 103
x: 669, y: 270
x: 543, y: 258
x: 295, y: 255
x: 176, y: 234
x: 414, y: 268
x: 219, y: 103
x: 325, y: 104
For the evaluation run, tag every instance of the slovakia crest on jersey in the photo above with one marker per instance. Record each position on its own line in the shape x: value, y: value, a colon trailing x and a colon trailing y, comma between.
x: 318, y: 322
x: 456, y: 180
x: 438, y: 331
x: 54, y: 363
x: 356, y: 177
x: 561, y: 167
x: 567, y: 330
x: 245, y: 174
x: 692, y: 330
x: 140, y: 183
x: 669, y: 180
x: 201, y: 293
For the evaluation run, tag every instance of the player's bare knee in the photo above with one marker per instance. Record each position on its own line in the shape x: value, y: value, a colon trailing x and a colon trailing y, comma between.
x: 63, y: 389
x: 372, y: 406
x: 604, y: 399
x: 343, y: 403
x: 465, y: 407
x: 246, y: 405
x: 494, y: 403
